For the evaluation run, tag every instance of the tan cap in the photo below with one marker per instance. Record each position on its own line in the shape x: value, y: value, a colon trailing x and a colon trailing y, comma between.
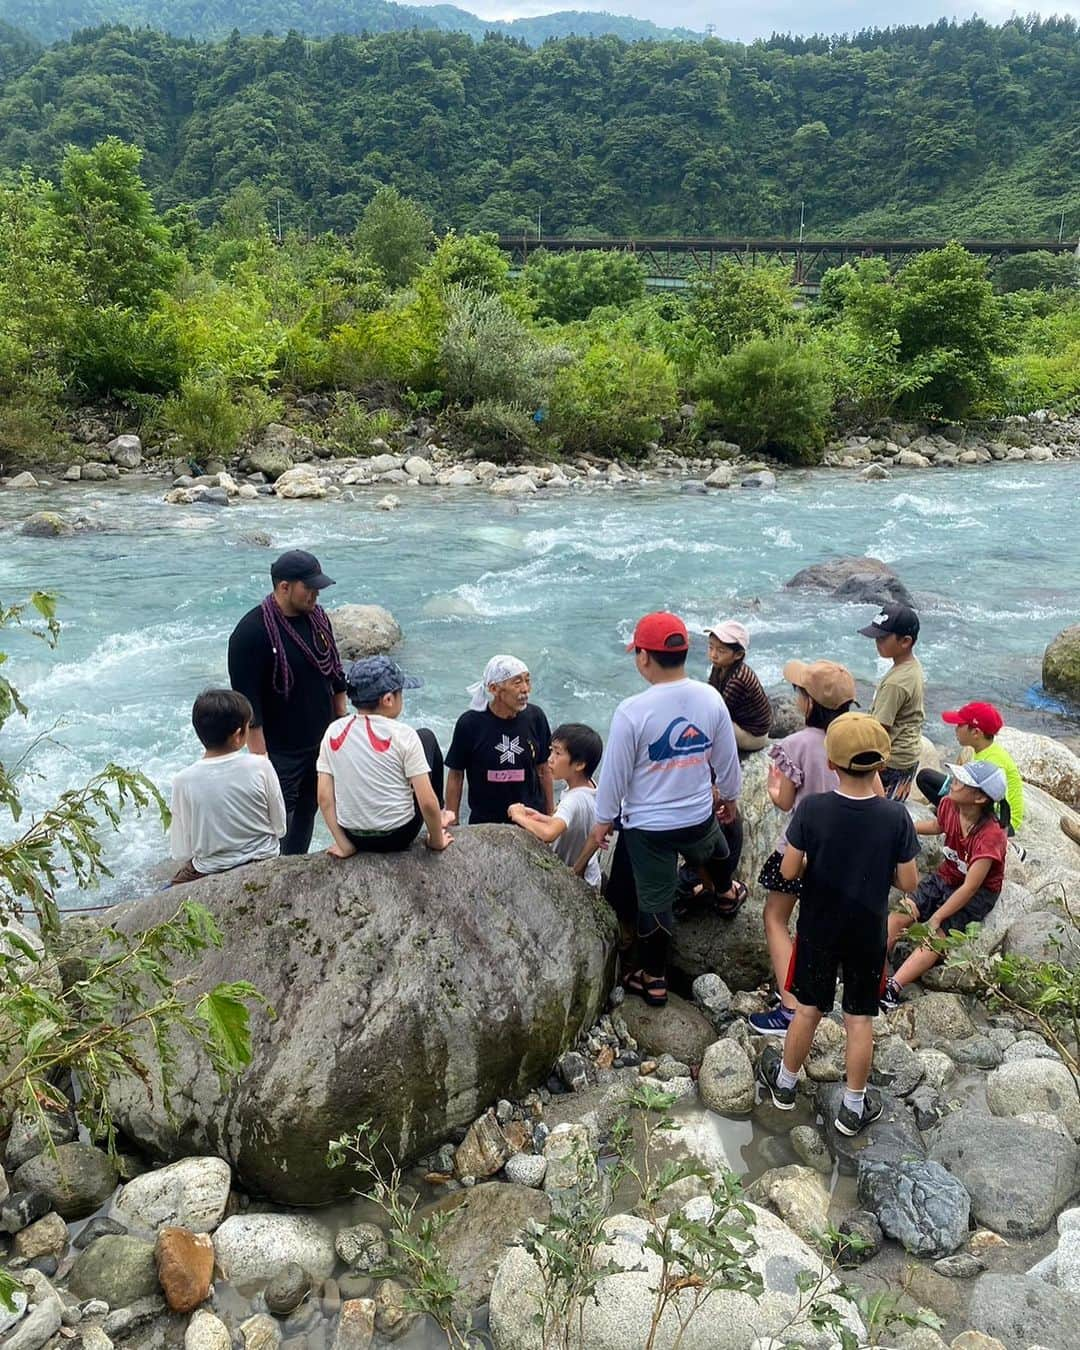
x: 731, y: 632
x: 857, y: 741
x: 829, y: 684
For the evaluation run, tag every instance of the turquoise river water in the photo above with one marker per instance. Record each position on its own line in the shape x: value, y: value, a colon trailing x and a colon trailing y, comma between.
x: 148, y: 603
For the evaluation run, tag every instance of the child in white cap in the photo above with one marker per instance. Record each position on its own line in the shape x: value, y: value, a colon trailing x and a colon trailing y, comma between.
x: 738, y: 685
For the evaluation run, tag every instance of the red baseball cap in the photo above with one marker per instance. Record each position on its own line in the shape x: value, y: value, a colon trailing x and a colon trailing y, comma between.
x: 660, y: 632
x: 983, y: 717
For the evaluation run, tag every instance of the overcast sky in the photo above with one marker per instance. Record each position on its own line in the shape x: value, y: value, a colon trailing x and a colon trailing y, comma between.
x: 745, y: 22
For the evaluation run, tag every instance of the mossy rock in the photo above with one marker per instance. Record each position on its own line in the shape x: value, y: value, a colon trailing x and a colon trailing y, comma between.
x: 1061, y: 664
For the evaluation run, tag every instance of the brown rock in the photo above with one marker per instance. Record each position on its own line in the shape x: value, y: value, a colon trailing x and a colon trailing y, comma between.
x: 483, y: 1150
x: 185, y: 1266
x: 47, y: 1237
x: 356, y: 1329
x: 517, y: 1135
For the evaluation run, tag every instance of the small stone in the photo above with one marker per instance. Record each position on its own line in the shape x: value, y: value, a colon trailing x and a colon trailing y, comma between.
x: 94, y: 1307
x: 392, y: 1316
x: 809, y: 1145
x: 938, y: 1068
x: 985, y: 1240
x: 572, y: 1172
x: 72, y: 473
x: 362, y: 1247
x: 126, y: 451
x: 33, y: 1134
x: 388, y: 503
x: 76, y: 1177
x: 526, y: 1169
x: 252, y: 1248
x: 573, y: 1071
x: 975, y: 1340
x: 37, y: 1326
x: 21, y: 1208
x: 484, y: 1150
x: 185, y: 1266
x: 726, y: 1081
x: 287, y: 1290
x: 260, y: 1333
x: 94, y: 1338
x: 799, y: 1196
x: 356, y: 1327
x: 866, y: 1237
x: 95, y: 1228
x: 23, y: 480
x: 896, y: 1066
x: 960, y: 1266
x: 712, y: 996
x: 136, y: 1314
x: 206, y: 1331
x: 47, y: 1237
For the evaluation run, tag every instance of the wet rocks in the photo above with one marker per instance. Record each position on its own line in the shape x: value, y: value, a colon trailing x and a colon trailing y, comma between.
x: 482, y: 1224
x: 678, y: 1029
x: 891, y: 1138
x: 40, y: 1323
x: 21, y: 1208
x: 185, y: 1267
x: 855, y: 580
x: 917, y: 1203
x: 191, y: 1193
x: 364, y: 630
x: 287, y: 1289
x: 984, y: 1153
x: 252, y: 1248
x: 206, y: 1331
x: 125, y: 451
x: 798, y: 1195
x: 22, y: 481
x: 32, y: 1134
x: 77, y: 1178
x: 726, y: 1081
x: 860, y: 1238
x: 1021, y: 1310
x: 571, y: 1171
x: 809, y: 1145
x: 1027, y: 1085
x: 356, y: 1326
x: 116, y: 1269
x: 764, y: 480
x: 484, y: 1149
x: 47, y: 1237
x: 362, y: 1247
x: 896, y: 1066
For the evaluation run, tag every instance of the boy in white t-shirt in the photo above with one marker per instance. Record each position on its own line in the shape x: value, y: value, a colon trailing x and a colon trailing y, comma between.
x: 227, y: 808
x: 379, y: 779
x: 575, y: 753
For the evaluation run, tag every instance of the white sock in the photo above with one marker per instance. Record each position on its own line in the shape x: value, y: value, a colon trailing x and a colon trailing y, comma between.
x: 854, y: 1100
x: 785, y: 1078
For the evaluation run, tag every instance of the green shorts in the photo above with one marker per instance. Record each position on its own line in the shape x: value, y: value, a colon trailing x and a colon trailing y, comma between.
x: 654, y: 856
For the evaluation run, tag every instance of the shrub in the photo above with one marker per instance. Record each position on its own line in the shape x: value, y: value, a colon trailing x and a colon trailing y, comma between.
x: 769, y: 395
x: 396, y: 347
x: 115, y: 349
x: 504, y: 430
x: 224, y: 329
x: 396, y: 232
x: 488, y: 353
x: 736, y: 303
x: 211, y: 418
x: 569, y: 286
x: 473, y: 260
x: 1036, y: 271
x: 353, y: 426
x: 612, y: 398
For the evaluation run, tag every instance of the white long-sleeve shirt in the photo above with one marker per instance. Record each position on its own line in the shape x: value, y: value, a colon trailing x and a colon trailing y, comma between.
x: 226, y: 811
x: 664, y: 747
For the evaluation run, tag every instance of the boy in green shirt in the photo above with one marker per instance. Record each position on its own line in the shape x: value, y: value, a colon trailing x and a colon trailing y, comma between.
x: 898, y: 700
x: 976, y: 726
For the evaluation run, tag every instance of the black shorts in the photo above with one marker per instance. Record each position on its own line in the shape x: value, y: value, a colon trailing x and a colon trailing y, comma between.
x: 934, y: 891
x: 853, y: 949
x: 770, y: 877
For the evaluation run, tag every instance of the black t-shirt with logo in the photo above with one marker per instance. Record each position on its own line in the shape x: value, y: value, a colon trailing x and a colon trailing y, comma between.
x: 501, y: 758
x: 853, y: 846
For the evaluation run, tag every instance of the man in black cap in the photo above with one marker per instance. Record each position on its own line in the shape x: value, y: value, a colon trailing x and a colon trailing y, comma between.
x: 283, y: 658
x: 899, y: 703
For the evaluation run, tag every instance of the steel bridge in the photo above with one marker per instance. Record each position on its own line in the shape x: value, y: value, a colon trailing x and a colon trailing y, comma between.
x: 808, y: 258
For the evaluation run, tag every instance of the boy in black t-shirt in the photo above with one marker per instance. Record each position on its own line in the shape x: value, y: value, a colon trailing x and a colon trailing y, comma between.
x: 849, y: 846
x: 501, y: 747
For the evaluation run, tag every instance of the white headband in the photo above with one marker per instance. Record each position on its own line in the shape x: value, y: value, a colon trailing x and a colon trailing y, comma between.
x: 498, y: 670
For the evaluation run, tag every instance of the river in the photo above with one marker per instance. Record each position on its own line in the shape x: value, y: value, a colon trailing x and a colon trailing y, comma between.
x: 147, y: 604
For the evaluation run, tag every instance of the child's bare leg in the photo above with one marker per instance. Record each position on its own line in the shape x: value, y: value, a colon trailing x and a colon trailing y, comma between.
x: 917, y: 964
x: 776, y: 917
x: 860, y: 1050
x: 901, y: 920
x: 800, y: 1035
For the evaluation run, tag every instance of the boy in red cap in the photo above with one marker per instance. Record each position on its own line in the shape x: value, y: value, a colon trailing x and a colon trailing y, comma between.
x: 665, y: 747
x: 976, y: 726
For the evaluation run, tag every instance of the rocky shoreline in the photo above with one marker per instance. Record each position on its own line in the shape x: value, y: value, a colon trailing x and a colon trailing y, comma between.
x: 962, y: 1196
x: 292, y: 464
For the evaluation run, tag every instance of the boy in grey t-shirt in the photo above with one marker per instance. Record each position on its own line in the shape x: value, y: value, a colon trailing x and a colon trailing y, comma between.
x: 575, y: 753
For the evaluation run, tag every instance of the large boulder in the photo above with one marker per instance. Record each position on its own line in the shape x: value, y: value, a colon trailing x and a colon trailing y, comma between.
x: 735, y: 949
x: 481, y: 1224
x: 364, y: 630
x: 1018, y: 1176
x: 1061, y: 664
x: 411, y: 989
x: 275, y: 452
x: 1023, y: 1310
x: 618, y: 1314
x: 1045, y: 762
x: 864, y: 581
x: 1026, y: 1085
x: 126, y: 451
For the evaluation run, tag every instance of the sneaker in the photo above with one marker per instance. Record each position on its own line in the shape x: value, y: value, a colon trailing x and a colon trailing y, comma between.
x: 847, y: 1122
x: 891, y: 997
x: 775, y: 1022
x: 768, y: 1069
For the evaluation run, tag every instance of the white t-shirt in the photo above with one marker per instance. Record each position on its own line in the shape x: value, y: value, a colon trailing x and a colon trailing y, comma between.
x: 577, y: 806
x: 663, y: 749
x: 226, y: 811
x: 371, y: 760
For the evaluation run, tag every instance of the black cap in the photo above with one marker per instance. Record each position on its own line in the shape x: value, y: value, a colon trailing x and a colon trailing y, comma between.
x: 895, y: 619
x: 296, y: 565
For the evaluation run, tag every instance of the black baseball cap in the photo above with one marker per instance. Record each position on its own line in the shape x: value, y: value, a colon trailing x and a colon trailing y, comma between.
x: 296, y: 565
x: 893, y: 619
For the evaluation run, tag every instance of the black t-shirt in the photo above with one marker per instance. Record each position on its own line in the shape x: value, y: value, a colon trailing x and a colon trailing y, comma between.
x: 298, y: 722
x: 501, y: 758
x: 853, y: 847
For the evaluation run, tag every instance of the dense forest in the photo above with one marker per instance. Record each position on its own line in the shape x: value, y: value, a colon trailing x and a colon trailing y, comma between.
x: 49, y: 20
x: 962, y: 129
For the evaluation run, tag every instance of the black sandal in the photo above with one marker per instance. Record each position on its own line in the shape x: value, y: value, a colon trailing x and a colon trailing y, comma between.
x: 653, y: 989
x: 727, y: 906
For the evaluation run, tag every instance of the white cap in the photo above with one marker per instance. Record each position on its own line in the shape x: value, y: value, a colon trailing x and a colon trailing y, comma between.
x: 730, y: 631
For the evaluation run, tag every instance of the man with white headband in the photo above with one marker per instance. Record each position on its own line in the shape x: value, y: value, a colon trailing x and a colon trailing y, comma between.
x: 500, y: 746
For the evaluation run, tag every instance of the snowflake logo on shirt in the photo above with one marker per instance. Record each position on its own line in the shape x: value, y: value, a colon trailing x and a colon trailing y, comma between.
x: 509, y: 750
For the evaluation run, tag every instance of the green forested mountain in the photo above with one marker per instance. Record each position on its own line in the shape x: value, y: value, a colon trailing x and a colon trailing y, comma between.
x: 50, y: 20
x: 951, y: 129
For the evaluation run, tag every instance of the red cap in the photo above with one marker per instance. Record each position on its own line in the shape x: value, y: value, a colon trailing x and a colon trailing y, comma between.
x: 983, y: 717
x: 660, y: 632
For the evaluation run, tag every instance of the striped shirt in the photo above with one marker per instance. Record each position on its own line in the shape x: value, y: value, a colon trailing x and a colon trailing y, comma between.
x: 746, y: 700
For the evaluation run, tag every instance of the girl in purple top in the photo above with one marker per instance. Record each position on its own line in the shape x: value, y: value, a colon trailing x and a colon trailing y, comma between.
x: 800, y: 767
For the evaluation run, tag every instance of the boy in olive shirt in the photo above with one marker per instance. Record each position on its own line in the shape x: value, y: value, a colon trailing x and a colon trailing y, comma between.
x: 898, y: 700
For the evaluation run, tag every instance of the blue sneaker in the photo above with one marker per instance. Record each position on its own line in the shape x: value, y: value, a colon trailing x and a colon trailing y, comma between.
x: 775, y: 1022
